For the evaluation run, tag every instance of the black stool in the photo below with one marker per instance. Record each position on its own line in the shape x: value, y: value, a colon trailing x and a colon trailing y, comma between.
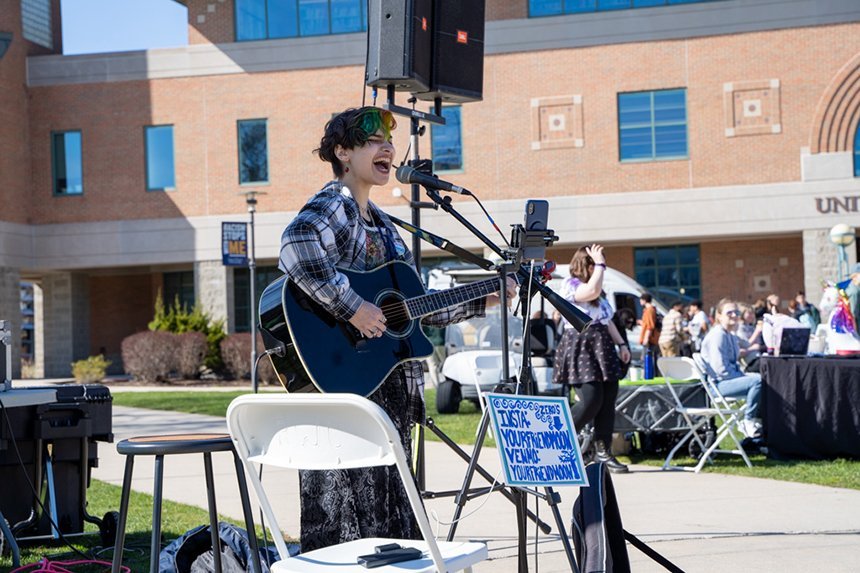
x: 160, y: 446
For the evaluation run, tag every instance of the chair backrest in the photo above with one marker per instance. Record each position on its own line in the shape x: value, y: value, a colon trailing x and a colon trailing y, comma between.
x: 679, y: 368
x: 315, y: 432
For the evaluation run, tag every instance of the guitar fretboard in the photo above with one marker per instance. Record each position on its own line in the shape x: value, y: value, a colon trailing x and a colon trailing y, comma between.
x: 432, y: 302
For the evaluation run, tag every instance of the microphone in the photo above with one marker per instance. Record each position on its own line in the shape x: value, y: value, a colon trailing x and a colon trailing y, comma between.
x: 407, y: 174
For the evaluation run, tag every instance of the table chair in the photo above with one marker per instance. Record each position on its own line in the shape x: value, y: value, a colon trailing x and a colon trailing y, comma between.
x: 728, y: 413
x: 334, y: 431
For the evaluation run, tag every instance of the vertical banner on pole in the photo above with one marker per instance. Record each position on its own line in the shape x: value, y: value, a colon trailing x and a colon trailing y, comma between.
x: 536, y: 440
x: 234, y: 244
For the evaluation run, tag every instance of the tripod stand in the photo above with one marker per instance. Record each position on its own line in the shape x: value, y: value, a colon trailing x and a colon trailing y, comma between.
x: 516, y: 495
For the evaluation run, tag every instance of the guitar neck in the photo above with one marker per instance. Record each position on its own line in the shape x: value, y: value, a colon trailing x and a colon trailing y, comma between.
x: 432, y: 302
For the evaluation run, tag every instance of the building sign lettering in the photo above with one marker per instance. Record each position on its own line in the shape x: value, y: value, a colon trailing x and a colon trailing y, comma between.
x: 837, y: 205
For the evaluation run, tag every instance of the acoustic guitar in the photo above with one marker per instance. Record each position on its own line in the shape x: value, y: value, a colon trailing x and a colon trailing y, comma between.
x: 323, y: 354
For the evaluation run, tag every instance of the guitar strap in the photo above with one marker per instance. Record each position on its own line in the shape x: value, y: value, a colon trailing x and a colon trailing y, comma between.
x: 442, y: 243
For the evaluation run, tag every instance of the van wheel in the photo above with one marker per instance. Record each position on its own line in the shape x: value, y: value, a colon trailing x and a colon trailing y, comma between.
x: 448, y: 397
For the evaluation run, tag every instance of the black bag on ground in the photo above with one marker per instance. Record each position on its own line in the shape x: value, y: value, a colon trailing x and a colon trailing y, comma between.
x: 192, y: 552
x: 598, y: 536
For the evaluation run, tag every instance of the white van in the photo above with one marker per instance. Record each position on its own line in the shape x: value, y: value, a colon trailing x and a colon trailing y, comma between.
x: 473, y: 361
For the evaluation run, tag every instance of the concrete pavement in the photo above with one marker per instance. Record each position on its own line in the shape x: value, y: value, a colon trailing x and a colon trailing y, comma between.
x: 702, y: 522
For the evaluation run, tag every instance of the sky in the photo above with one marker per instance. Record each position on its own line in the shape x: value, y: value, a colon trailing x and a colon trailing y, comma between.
x: 93, y: 26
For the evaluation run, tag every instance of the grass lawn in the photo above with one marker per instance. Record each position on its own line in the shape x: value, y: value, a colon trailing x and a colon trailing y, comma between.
x: 461, y: 428
x: 101, y: 498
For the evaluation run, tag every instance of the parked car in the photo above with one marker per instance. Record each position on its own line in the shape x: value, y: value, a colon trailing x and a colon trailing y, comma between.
x: 473, y: 361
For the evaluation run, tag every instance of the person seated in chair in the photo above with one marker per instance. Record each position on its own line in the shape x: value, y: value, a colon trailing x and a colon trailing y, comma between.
x: 720, y: 352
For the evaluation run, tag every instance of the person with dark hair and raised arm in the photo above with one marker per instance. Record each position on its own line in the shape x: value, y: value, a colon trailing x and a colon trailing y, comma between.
x: 341, y: 228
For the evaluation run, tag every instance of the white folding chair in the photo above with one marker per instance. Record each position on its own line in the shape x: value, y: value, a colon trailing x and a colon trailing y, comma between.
x: 697, y: 418
x: 334, y: 431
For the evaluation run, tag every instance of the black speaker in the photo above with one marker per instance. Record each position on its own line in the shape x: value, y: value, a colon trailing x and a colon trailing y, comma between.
x: 399, y: 36
x: 457, y: 73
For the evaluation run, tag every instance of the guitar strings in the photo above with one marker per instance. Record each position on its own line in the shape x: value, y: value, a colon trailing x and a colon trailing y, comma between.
x: 399, y: 310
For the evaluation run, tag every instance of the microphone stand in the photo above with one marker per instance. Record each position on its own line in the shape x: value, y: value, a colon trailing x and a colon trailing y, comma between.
x: 512, y: 264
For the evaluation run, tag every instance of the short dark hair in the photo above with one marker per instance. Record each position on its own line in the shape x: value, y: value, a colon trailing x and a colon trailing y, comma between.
x: 697, y: 303
x: 646, y: 296
x: 350, y: 129
x: 679, y: 303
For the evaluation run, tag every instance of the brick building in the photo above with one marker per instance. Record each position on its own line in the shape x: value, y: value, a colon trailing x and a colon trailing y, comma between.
x: 710, y: 145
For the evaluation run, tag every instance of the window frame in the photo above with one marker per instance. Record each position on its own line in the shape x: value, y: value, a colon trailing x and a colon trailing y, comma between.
x: 632, y: 6
x: 678, y: 266
x: 54, y: 191
x: 462, y: 153
x: 182, y: 285
x: 654, y: 157
x: 239, y: 122
x: 146, y: 129
x: 363, y: 22
x: 857, y: 150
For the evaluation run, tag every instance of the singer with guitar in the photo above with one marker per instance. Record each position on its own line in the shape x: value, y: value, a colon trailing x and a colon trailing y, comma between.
x: 340, y: 229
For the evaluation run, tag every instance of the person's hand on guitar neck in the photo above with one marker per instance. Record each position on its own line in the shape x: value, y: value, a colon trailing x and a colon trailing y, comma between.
x: 369, y: 320
x: 493, y: 299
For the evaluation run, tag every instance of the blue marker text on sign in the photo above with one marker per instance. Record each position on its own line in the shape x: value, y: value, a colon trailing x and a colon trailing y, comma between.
x: 537, y: 442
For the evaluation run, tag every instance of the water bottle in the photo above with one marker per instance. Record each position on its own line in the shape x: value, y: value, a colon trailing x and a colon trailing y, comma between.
x: 649, y: 366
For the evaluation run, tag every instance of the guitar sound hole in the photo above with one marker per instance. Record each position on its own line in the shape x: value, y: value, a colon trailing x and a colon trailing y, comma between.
x: 397, y: 320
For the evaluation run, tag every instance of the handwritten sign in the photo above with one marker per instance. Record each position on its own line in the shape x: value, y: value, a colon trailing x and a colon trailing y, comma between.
x: 234, y: 244
x: 536, y: 440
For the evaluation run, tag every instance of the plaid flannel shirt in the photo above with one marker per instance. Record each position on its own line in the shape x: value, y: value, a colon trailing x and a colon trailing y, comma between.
x: 329, y: 233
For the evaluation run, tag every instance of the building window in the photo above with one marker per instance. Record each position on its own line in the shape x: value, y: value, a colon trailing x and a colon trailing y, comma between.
x: 447, y: 141
x: 253, y: 151
x: 179, y: 286
x: 669, y: 273
x: 36, y: 22
x: 67, y: 163
x: 160, y: 173
x: 857, y: 151
x: 270, y: 19
x: 264, y: 276
x: 652, y: 125
x: 558, y: 7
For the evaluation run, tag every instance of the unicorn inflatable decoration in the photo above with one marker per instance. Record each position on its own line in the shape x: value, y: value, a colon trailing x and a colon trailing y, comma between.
x: 841, y: 331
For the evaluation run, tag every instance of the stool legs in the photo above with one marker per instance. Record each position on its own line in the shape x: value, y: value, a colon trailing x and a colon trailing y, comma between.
x: 119, y: 541
x: 213, y: 512
x: 155, y: 546
x: 246, y: 510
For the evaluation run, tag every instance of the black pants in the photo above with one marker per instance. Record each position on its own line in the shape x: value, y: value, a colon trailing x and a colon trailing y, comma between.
x: 596, y: 404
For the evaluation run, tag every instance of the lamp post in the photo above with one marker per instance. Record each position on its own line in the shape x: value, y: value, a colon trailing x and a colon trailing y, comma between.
x: 842, y: 235
x: 251, y: 201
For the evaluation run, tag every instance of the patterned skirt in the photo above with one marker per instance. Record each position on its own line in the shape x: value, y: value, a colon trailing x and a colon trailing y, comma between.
x: 588, y: 356
x: 343, y: 505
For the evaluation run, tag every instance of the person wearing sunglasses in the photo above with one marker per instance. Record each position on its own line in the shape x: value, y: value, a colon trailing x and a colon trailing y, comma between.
x: 721, y: 353
x: 340, y: 227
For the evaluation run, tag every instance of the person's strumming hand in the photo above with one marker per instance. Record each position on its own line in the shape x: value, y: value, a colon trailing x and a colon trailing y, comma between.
x: 511, y: 289
x: 369, y: 320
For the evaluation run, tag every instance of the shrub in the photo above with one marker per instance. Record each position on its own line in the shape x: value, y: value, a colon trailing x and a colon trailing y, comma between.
x: 178, y: 319
x: 236, y: 352
x: 191, y: 350
x: 149, y: 356
x: 90, y: 370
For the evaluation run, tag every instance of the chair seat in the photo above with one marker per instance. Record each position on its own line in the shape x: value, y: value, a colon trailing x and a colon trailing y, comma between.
x: 458, y: 555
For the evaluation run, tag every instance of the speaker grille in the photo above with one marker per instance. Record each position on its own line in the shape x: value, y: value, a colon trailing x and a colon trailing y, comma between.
x: 399, y: 44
